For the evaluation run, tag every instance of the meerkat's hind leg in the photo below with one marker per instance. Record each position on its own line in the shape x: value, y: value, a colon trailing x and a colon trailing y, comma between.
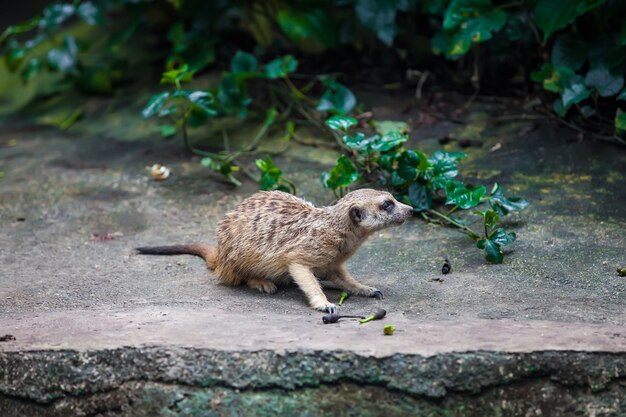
x: 342, y: 278
x: 263, y: 285
x: 310, y: 286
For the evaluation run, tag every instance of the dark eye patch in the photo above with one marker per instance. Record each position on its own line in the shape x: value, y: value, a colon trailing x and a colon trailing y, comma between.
x: 387, y: 205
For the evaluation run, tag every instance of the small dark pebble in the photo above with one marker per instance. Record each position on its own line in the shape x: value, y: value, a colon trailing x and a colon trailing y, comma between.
x: 437, y: 279
x: 464, y: 143
x: 7, y: 337
x: 21, y: 219
x: 446, y: 268
x: 444, y: 140
x: 330, y: 318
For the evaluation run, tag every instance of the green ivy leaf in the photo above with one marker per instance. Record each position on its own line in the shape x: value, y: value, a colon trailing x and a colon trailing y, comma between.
x: 602, y: 80
x: 443, y: 167
x: 471, y: 21
x: 388, y: 141
x: 420, y: 197
x: 20, y: 28
x: 397, y: 181
x: 311, y: 28
x: 622, y: 95
x: 222, y: 166
x: 502, y: 238
x: 280, y: 67
x: 412, y: 164
x: 570, y: 85
x: 503, y: 205
x: 490, y: 217
x: 559, y: 108
x: 541, y: 75
x: 570, y: 51
x: 270, y: 173
x: 552, y: 15
x: 360, y: 142
x: 464, y: 197
x: 14, y: 58
x: 154, y: 105
x: 55, y: 15
x: 342, y: 123
x: 380, y: 16
x: 574, y: 90
x: 64, y: 59
x: 201, y: 107
x: 494, y: 253
x: 244, y: 65
x: 342, y: 174
x: 337, y: 98
x: 167, y: 130
x: 231, y: 97
x: 177, y: 75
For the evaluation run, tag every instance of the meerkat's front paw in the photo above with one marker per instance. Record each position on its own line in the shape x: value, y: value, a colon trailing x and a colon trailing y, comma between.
x: 263, y: 285
x: 326, y: 307
x: 368, y: 291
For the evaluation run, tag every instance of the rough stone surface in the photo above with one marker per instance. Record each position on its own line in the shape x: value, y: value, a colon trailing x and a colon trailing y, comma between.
x: 102, y: 331
x: 157, y: 381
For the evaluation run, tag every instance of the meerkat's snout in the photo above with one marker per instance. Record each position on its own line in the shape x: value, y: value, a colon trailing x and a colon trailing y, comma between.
x: 380, y: 213
x: 404, y: 212
x: 399, y: 211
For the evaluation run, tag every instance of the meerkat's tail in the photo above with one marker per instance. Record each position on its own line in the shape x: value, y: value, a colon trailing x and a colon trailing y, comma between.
x: 206, y: 252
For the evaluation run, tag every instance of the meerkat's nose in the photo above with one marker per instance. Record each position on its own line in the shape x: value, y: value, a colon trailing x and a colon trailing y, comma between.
x: 408, y: 210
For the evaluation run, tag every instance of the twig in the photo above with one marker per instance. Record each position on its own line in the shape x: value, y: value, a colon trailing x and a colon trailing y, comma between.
x: 420, y: 84
x: 259, y: 136
x: 466, y: 229
x: 297, y: 93
x: 225, y: 140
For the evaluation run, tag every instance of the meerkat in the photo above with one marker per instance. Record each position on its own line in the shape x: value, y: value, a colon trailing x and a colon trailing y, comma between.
x: 274, y: 238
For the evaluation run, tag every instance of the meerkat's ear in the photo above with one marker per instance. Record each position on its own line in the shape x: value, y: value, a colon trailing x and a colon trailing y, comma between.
x: 356, y: 214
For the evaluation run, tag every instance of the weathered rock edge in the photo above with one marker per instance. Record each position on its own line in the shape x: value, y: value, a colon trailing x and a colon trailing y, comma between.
x: 46, y: 376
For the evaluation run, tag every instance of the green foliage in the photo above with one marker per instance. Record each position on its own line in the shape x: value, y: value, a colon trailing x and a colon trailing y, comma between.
x: 552, y: 15
x: 469, y: 21
x: 421, y: 181
x: 337, y: 99
x: 272, y: 177
x: 503, y: 205
x: 342, y: 175
x: 380, y: 16
x: 281, y: 67
x: 586, y: 40
x: 341, y: 123
x: 222, y: 164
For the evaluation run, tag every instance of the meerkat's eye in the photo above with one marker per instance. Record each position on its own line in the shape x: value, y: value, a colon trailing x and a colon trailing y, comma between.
x: 387, y: 205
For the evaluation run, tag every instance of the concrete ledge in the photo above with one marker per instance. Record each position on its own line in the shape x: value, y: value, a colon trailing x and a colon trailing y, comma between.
x: 220, y: 330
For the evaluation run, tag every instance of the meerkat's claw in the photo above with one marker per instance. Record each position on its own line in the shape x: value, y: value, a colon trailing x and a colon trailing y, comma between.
x: 331, y: 309
x: 378, y: 295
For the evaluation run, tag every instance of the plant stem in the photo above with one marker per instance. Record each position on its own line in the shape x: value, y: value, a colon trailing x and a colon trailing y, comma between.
x: 291, y: 185
x: 262, y: 131
x: 225, y: 140
x: 297, y: 93
x: 185, y: 136
x: 466, y: 229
